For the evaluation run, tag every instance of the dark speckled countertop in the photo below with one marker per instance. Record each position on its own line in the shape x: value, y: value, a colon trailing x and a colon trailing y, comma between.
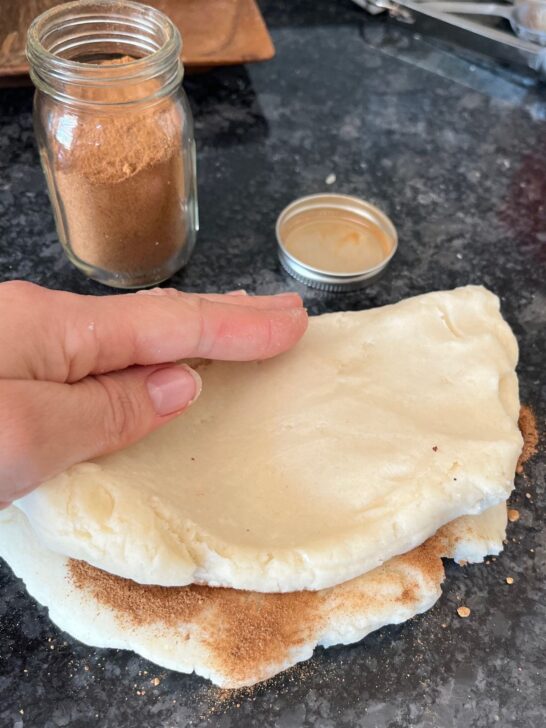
x: 455, y: 152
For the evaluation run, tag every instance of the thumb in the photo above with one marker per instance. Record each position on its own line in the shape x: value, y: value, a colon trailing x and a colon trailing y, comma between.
x: 45, y: 427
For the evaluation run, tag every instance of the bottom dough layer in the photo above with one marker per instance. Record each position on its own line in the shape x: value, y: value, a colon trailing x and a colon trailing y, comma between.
x: 237, y: 638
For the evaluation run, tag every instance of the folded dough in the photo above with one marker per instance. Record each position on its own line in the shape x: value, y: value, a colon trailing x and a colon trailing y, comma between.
x: 310, y: 469
x: 238, y: 638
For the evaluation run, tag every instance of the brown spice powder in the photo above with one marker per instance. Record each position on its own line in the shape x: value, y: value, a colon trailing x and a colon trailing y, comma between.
x: 120, y: 178
x: 427, y: 558
x: 528, y: 426
x: 139, y: 604
x: 248, y: 632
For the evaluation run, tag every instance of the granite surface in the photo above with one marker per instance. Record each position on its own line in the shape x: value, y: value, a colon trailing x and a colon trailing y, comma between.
x: 454, y: 151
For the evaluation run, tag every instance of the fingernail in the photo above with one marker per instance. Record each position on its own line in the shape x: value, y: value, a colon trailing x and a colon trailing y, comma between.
x: 240, y: 292
x: 173, y: 388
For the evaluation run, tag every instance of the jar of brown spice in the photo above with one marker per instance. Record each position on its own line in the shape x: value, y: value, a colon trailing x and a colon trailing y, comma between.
x: 115, y: 134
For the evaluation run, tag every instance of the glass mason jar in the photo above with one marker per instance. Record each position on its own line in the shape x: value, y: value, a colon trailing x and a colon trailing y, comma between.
x: 115, y: 135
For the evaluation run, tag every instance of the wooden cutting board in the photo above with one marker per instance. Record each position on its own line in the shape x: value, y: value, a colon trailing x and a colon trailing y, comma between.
x: 214, y: 33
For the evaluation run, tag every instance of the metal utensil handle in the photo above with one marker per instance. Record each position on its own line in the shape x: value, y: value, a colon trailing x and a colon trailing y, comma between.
x: 501, y: 11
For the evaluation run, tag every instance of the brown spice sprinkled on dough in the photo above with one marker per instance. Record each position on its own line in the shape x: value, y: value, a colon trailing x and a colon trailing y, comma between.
x: 246, y: 632
x: 427, y: 558
x: 254, y: 631
x: 139, y: 604
x: 513, y: 515
x: 463, y: 612
x: 528, y: 426
x: 409, y: 594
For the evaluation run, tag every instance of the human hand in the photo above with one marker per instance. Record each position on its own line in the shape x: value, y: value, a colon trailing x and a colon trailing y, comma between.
x: 81, y: 376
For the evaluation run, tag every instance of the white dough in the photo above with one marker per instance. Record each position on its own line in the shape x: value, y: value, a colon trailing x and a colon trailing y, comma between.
x: 310, y: 469
x: 391, y: 594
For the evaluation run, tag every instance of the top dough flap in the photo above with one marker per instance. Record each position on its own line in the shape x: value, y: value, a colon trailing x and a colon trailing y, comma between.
x: 312, y: 468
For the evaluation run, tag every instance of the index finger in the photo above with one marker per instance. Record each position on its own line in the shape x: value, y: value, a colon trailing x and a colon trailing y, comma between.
x: 82, y: 335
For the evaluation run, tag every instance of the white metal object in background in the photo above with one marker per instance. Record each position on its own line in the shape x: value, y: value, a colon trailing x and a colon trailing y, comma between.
x: 469, y: 23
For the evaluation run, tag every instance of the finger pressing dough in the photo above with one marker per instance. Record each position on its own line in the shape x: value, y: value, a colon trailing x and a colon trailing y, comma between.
x: 309, y: 469
x: 237, y: 638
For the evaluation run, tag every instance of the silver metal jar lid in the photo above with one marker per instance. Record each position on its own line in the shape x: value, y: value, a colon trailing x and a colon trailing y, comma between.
x: 335, y: 242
